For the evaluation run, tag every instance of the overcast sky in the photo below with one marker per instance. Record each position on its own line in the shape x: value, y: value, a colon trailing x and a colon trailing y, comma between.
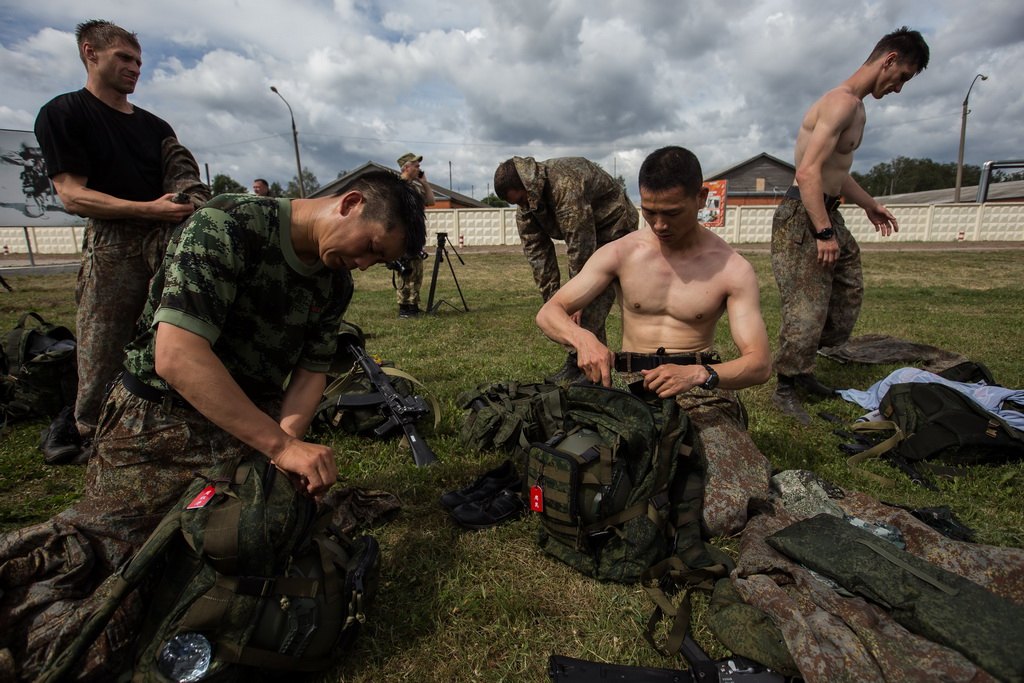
x: 472, y: 83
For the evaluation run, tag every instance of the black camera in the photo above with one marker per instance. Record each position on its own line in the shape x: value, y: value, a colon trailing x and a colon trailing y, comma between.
x: 400, y: 266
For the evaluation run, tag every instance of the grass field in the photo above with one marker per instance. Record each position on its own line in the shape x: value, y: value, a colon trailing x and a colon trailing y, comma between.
x: 489, y: 606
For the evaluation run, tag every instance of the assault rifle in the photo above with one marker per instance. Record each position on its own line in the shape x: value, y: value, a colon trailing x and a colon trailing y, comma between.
x: 702, y: 669
x: 400, y: 411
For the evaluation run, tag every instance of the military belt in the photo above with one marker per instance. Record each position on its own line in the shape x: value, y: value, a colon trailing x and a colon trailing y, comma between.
x: 137, y: 387
x: 633, y: 362
x: 831, y: 201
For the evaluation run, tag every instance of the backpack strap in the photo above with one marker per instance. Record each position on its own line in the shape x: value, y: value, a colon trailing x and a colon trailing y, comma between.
x: 877, y: 450
x: 666, y: 577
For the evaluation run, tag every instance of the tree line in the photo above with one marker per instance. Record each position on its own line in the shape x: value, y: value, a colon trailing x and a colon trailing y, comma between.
x: 904, y: 174
x: 222, y: 183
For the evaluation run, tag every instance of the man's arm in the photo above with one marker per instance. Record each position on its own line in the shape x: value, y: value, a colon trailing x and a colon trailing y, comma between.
x: 879, y: 216
x: 540, y: 252
x: 555, y: 318
x: 304, y: 393
x: 187, y: 363
x: 81, y: 200
x: 752, y: 366
x: 428, y: 192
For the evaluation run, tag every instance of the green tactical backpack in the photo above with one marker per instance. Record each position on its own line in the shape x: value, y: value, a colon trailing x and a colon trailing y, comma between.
x: 39, y: 369
x: 619, y: 489
x: 931, y: 421
x: 253, y: 576
x: 510, y: 416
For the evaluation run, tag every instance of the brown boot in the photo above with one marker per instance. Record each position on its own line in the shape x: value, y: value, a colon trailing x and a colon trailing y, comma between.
x: 787, y: 402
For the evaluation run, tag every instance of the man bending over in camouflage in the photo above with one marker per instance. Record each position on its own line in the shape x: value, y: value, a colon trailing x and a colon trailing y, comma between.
x: 569, y: 199
x: 675, y: 281
x: 251, y: 291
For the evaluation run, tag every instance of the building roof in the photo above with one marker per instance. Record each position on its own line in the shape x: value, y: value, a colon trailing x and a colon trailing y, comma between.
x: 763, y: 155
x: 1011, y: 190
x: 338, y: 186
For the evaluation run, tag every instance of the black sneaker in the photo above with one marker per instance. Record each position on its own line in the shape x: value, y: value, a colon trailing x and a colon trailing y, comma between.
x: 506, y: 506
x: 60, y: 442
x: 487, y: 485
x: 409, y: 311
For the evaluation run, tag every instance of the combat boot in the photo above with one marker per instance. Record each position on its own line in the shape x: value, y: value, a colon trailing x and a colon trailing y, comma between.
x: 810, y: 385
x: 569, y: 372
x: 60, y: 442
x: 785, y: 399
x: 409, y: 311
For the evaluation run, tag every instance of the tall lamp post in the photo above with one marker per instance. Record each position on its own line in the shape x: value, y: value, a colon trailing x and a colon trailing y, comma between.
x: 963, y: 134
x: 295, y: 138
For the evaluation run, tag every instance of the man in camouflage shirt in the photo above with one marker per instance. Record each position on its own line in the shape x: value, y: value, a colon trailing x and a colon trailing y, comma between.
x: 569, y: 199
x: 251, y: 293
x: 408, y: 290
x: 668, y: 328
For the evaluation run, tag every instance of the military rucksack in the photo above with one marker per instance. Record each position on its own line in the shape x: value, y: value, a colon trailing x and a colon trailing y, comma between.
x: 253, y: 575
x: 619, y: 488
x: 38, y: 369
x: 931, y: 421
x: 509, y: 416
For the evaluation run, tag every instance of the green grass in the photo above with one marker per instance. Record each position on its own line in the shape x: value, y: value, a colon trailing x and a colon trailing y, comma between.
x: 489, y: 606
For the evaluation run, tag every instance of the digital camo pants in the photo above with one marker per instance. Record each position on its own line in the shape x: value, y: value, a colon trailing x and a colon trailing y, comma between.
x: 820, y: 305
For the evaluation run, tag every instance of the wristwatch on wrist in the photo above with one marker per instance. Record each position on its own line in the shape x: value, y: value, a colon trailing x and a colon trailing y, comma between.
x: 712, y: 381
x: 826, y: 234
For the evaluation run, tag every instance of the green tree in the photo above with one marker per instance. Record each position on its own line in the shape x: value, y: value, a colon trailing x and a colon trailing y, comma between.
x: 226, y: 184
x: 493, y: 200
x: 904, y: 174
x: 276, y: 190
x: 309, y: 182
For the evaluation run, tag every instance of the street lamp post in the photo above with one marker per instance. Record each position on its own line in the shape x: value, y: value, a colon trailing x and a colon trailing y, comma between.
x: 963, y: 135
x: 295, y: 139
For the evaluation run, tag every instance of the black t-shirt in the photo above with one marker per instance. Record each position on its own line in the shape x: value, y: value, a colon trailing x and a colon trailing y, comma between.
x: 119, y: 153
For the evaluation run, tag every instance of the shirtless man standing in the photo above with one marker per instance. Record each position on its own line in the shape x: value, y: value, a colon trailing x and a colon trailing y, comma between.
x: 675, y: 279
x: 815, y: 259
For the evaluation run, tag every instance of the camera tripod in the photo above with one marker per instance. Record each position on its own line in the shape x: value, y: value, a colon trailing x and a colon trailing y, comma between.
x: 440, y: 254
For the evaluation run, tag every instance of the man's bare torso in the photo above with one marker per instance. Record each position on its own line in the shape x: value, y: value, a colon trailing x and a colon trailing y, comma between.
x: 837, y: 166
x: 672, y: 299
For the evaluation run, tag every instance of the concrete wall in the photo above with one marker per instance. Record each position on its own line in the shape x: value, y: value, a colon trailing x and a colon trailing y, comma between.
x: 743, y: 225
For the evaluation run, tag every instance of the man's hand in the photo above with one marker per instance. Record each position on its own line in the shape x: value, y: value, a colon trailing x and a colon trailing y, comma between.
x: 828, y: 252
x: 882, y: 219
x: 671, y: 380
x: 596, y: 361
x: 164, y: 209
x: 313, y: 464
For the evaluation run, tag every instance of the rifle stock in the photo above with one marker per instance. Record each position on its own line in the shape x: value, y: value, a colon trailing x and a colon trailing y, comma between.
x: 400, y: 411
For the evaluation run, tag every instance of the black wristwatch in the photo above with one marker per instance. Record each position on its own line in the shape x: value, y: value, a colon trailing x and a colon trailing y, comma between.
x: 712, y: 381
x: 826, y: 234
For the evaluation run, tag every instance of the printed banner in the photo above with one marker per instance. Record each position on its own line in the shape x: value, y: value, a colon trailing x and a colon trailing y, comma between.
x: 27, y: 197
x: 713, y: 213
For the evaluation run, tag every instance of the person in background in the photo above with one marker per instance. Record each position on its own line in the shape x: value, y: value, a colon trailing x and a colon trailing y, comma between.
x: 412, y: 268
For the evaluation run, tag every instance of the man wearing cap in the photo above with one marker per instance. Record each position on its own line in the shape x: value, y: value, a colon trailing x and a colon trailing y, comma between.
x: 412, y: 274
x: 569, y: 199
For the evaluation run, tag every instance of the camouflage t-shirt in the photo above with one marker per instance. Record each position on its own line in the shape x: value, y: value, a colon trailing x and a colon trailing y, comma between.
x: 231, y: 276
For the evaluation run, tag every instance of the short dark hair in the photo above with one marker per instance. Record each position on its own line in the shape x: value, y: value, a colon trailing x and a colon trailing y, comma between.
x: 506, y: 178
x: 394, y: 201
x: 671, y: 167
x: 261, y: 180
x: 909, y: 45
x: 101, y: 35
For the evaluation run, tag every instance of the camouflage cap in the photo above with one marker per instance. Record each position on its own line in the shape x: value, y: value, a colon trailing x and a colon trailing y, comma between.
x: 408, y: 157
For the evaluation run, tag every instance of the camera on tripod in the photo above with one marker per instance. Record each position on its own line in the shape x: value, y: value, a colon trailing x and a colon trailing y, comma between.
x: 400, y: 266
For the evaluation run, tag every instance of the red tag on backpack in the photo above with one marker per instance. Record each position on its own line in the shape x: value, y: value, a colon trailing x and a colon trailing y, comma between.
x: 536, y: 498
x: 202, y: 499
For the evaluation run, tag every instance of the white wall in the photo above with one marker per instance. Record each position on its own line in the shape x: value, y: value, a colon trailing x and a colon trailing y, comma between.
x: 743, y: 225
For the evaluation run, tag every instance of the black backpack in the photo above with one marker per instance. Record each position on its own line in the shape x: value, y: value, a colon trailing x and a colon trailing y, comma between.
x: 39, y: 369
x: 931, y: 421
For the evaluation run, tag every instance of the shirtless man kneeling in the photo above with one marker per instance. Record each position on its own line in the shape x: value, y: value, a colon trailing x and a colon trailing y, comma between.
x: 675, y: 279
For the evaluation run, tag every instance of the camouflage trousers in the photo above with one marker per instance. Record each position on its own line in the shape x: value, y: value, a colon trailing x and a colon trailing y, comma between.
x: 836, y: 637
x: 118, y: 259
x: 409, y: 288
x: 820, y: 305
x: 596, y: 314
x: 735, y: 471
x: 145, y: 455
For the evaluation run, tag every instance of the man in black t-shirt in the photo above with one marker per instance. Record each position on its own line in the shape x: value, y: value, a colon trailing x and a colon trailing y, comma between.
x: 115, y: 164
